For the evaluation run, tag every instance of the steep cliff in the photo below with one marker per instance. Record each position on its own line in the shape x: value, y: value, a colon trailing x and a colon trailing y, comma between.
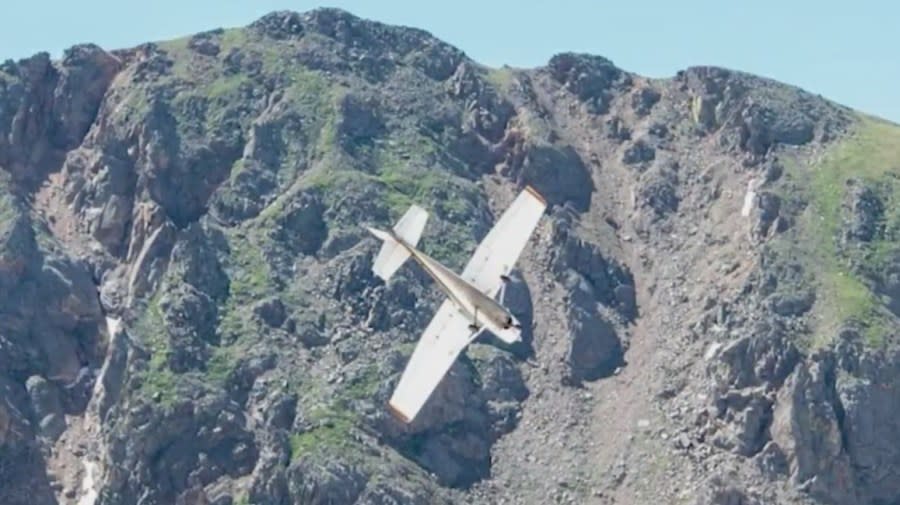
x: 188, y: 313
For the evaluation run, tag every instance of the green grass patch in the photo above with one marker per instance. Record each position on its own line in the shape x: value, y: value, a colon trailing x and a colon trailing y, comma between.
x: 250, y: 272
x: 232, y: 38
x: 327, y: 178
x: 250, y: 281
x: 500, y: 78
x: 331, y: 435
x: 135, y: 105
x: 364, y: 384
x: 871, y: 155
x: 175, y: 46
x: 224, y: 87
x: 157, y: 380
x: 407, y: 181
x: 220, y: 365
x: 236, y: 168
x: 183, y: 65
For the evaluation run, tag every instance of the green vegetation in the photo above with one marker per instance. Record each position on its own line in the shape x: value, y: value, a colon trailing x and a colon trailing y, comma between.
x: 447, y: 196
x: 8, y: 207
x: 500, y: 78
x: 411, y: 167
x: 184, y: 61
x: 872, y: 156
x: 135, y: 104
x: 236, y: 168
x: 250, y: 273
x: 364, y: 384
x: 157, y: 381
x: 332, y: 434
x: 232, y: 38
x: 224, y: 87
x: 327, y: 179
x: 250, y: 281
x: 220, y: 365
x: 175, y: 46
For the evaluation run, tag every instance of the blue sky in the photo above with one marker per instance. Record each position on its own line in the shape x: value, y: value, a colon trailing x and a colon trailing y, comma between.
x: 844, y: 50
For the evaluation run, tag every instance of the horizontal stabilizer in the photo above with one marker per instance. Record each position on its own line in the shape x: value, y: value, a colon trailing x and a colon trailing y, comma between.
x: 391, y: 256
x: 410, y: 227
x: 393, y: 253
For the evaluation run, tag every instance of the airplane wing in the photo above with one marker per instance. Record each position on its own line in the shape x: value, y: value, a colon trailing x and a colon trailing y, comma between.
x: 445, y: 337
x: 500, y: 249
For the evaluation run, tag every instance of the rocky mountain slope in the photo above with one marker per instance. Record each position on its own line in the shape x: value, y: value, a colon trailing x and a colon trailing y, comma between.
x: 187, y: 311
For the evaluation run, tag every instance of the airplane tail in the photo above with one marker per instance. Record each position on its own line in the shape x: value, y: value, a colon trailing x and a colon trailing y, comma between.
x: 392, y: 254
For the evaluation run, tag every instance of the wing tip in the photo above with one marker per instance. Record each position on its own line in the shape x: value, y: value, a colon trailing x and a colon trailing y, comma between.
x: 398, y: 414
x: 535, y: 194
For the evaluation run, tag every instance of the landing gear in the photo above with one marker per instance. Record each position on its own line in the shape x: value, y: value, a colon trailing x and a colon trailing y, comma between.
x: 474, y: 325
x: 502, y: 294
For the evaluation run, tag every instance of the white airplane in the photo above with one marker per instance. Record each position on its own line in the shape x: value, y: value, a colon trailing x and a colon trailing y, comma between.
x: 470, y: 307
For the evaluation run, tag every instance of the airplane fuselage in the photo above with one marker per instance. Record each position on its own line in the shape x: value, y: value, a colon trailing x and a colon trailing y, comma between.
x: 481, y: 310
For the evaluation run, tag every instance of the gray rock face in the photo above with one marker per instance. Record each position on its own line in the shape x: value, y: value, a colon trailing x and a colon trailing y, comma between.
x: 328, y: 483
x: 719, y: 493
x: 207, y: 197
x: 611, y: 283
x: 643, y: 100
x: 766, y: 215
x: 595, y: 350
x: 359, y: 123
x: 764, y: 359
x: 197, y: 441
x: 270, y: 311
x: 806, y: 402
x: 50, y: 107
x: 864, y: 211
x: 47, y: 407
x: 792, y: 304
x: 558, y: 174
x: 756, y: 113
x: 868, y: 429
x: 112, y: 375
x: 148, y: 268
x: 639, y: 152
x: 616, y: 129
x: 504, y: 391
x: 302, y: 227
x: 49, y: 327
x: 658, y: 193
x: 888, y: 283
x: 590, y: 78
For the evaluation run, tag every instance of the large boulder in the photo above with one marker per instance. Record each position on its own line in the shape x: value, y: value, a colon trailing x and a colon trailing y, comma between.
x: 595, y: 350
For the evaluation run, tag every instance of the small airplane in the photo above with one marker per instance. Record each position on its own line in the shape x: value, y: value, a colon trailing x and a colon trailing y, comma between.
x: 470, y: 307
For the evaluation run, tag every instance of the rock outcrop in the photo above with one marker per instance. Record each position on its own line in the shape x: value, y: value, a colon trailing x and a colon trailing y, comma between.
x: 188, y: 313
